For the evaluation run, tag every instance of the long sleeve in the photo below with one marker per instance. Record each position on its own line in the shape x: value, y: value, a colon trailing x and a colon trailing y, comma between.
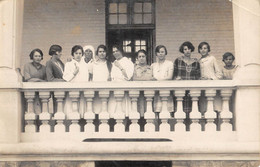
x: 175, y: 72
x: 170, y: 71
x: 218, y: 72
x: 68, y: 71
x: 26, y: 71
x: 49, y: 73
x: 129, y: 69
x: 198, y: 73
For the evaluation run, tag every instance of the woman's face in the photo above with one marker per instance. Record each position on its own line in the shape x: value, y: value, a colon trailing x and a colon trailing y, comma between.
x: 228, y: 61
x: 88, y: 54
x: 186, y: 51
x: 117, y: 54
x: 161, y: 54
x: 204, y: 51
x: 77, y: 55
x: 141, y: 57
x: 101, y: 53
x: 37, y: 58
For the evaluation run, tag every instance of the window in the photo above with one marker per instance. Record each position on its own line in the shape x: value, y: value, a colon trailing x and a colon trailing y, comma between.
x: 133, y: 12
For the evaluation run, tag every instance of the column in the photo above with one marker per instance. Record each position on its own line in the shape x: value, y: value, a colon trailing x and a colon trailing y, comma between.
x: 133, y: 114
x: 104, y: 115
x: 30, y: 116
x: 210, y: 114
x: 45, y: 116
x: 11, y: 18
x: 89, y: 115
x: 195, y: 115
x: 164, y: 114
x: 74, y: 114
x: 149, y: 115
x: 180, y: 115
x: 119, y: 114
x: 59, y: 116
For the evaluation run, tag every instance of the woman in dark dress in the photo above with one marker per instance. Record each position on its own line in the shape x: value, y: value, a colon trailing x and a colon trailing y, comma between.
x: 185, y: 67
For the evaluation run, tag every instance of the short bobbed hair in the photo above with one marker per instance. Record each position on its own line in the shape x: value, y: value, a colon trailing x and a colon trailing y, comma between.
x: 54, y: 49
x: 101, y: 47
x: 225, y: 55
x: 203, y: 43
x: 75, y: 48
x: 118, y: 48
x: 157, y: 49
x: 35, y: 50
x: 188, y: 44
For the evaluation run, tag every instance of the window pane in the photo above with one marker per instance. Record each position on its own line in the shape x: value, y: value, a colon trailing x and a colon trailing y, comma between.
x: 147, y: 7
x: 128, y: 49
x: 147, y: 18
x: 137, y: 42
x: 122, y: 19
x: 138, y: 7
x: 137, y: 48
x: 143, y: 42
x: 113, y: 8
x: 122, y: 7
x: 138, y: 19
x: 113, y: 19
x: 143, y: 47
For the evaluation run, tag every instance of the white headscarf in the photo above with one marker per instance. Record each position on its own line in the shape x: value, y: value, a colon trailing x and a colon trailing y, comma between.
x: 90, y: 47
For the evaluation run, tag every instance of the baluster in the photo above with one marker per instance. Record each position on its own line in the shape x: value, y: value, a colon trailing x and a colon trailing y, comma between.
x: 133, y: 114
x: 45, y: 116
x: 89, y: 115
x: 180, y: 114
x: 74, y: 115
x: 104, y: 115
x: 226, y: 114
x: 210, y: 114
x: 195, y: 115
x: 149, y: 114
x: 59, y: 115
x: 165, y: 114
x: 119, y: 114
x: 30, y: 116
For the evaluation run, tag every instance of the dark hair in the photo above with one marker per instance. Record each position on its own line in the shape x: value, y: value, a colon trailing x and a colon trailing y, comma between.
x: 118, y: 48
x: 101, y: 47
x: 203, y: 43
x: 157, y: 49
x: 225, y: 55
x: 54, y: 49
x: 188, y: 44
x: 75, y: 48
x: 141, y: 51
x: 35, y: 50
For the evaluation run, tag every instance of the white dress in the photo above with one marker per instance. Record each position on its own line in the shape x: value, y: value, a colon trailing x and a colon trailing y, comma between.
x: 81, y: 76
x: 163, y: 71
x: 128, y: 66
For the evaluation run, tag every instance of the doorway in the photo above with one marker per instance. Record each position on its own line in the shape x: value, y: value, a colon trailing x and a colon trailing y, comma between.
x: 131, y: 41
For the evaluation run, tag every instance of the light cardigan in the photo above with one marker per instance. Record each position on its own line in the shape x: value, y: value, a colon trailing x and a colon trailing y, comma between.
x: 127, y: 65
x: 81, y: 76
x: 209, y: 68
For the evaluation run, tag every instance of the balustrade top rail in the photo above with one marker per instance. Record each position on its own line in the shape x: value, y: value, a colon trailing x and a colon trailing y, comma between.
x: 141, y: 85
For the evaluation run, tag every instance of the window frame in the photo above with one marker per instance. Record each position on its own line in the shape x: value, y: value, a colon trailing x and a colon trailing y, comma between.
x: 130, y: 15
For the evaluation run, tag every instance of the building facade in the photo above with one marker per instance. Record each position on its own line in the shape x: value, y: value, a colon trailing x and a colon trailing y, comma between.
x: 168, y: 136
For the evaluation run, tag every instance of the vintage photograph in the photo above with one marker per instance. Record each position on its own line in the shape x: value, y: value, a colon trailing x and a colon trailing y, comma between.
x: 129, y: 83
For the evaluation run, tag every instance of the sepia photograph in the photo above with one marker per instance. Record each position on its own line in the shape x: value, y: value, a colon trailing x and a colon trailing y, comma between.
x: 129, y: 83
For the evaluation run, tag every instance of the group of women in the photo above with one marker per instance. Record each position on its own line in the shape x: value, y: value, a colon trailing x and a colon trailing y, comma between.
x: 90, y: 65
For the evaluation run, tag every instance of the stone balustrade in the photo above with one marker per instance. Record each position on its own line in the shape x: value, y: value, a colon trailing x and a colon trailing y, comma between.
x: 128, y: 107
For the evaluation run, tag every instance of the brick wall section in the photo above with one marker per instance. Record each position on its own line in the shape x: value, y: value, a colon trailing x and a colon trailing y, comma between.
x: 196, y: 21
x: 63, y: 22
x: 68, y: 22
